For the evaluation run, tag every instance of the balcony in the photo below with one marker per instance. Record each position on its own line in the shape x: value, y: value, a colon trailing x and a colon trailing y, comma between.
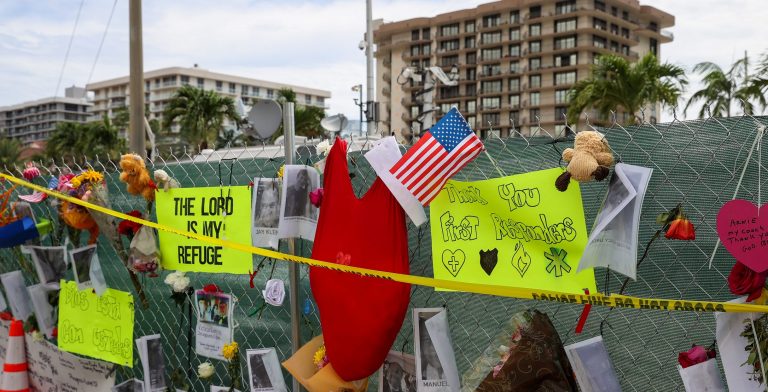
x: 387, y: 77
x: 386, y: 91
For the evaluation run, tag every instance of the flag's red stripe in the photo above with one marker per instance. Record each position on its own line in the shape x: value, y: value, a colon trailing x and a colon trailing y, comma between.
x: 458, y: 154
x: 429, y: 173
x: 471, y: 153
x: 425, y: 166
x: 414, y: 161
x: 409, y: 155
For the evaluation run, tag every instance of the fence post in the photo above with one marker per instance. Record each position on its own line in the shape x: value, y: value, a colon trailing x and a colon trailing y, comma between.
x: 293, y: 268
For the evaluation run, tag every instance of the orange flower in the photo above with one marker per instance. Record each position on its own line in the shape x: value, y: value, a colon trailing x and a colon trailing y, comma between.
x: 681, y: 229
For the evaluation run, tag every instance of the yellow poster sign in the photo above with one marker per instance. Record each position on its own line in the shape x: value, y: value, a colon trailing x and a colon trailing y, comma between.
x: 97, y: 326
x: 218, y: 212
x: 516, y: 231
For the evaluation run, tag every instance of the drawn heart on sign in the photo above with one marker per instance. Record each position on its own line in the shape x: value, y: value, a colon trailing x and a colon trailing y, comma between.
x: 453, y: 261
x: 488, y: 260
x: 744, y: 232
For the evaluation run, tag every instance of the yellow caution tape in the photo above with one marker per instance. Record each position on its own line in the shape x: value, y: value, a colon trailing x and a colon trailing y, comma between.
x: 614, y: 300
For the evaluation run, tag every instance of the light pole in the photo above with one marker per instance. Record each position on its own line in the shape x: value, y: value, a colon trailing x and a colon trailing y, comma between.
x: 359, y: 102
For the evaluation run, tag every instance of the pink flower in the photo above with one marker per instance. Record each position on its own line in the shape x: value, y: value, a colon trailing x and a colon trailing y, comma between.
x: 316, y: 197
x: 31, y: 172
x: 696, y: 355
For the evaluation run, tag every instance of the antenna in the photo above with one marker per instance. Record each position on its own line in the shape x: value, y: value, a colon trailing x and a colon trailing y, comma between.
x: 264, y: 118
x: 334, y: 124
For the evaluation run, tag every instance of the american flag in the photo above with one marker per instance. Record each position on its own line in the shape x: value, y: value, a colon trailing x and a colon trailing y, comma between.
x: 444, y: 150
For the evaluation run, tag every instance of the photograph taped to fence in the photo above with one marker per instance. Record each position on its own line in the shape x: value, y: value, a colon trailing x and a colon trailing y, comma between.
x: 398, y: 374
x: 219, y: 212
x: 50, y: 262
x: 435, y: 363
x: 264, y: 373
x: 214, y: 323
x: 266, y: 212
x: 298, y: 217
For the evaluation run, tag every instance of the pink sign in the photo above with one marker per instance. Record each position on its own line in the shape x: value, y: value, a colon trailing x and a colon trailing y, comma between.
x: 743, y: 230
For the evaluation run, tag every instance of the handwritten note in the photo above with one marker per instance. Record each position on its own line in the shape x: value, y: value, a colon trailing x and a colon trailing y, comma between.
x: 516, y: 231
x: 743, y: 230
x: 219, y: 212
x: 54, y: 370
x: 98, y: 326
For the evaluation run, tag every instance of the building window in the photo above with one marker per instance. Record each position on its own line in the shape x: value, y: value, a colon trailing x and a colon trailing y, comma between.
x: 534, y: 63
x: 561, y: 113
x: 565, y: 25
x: 599, y: 42
x: 625, y: 15
x: 200, y: 83
x: 514, y: 85
x: 270, y: 93
x: 471, y: 106
x: 514, y: 117
x: 534, y: 12
x: 600, y: 5
x: 308, y: 99
x: 471, y: 90
x: 534, y: 81
x: 565, y: 77
x: 491, y: 87
x: 471, y: 121
x: 625, y: 50
x: 471, y: 58
x: 491, y: 20
x: 625, y: 32
x: 565, y: 42
x: 653, y: 46
x: 492, y: 69
x: 425, y: 33
x: 491, y: 54
x: 535, y: 98
x: 491, y: 38
x: 534, y: 46
x: 414, y: 35
x: 469, y: 42
x: 514, y: 66
x: 614, y: 29
x: 565, y: 60
x: 491, y: 119
x: 614, y: 46
x: 184, y: 80
x: 446, y: 46
x: 448, y: 61
x: 491, y: 103
x: 535, y: 115
x: 451, y: 29
x: 257, y: 91
x: 449, y: 92
x: 514, y: 101
x: 564, y: 7
x: 514, y: 50
x: 320, y: 101
x: 469, y: 26
x: 425, y: 50
x: 219, y: 85
x: 534, y: 30
x: 514, y: 17
x: 599, y: 24
x: 415, y: 50
x: 514, y: 34
x: 471, y: 74
x: 244, y: 90
x: 232, y: 88
x: 169, y: 81
x: 561, y: 96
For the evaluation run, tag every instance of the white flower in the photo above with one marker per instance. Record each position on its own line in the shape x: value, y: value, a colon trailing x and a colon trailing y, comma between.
x: 323, y: 148
x: 37, y: 336
x: 181, y: 284
x: 205, y: 370
x: 274, y: 293
x: 173, y: 277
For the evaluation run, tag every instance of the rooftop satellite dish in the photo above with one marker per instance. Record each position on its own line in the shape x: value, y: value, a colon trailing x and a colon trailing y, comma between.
x: 333, y: 124
x: 265, y: 117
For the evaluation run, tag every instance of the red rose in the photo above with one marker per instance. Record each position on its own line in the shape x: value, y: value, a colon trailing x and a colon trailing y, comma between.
x: 742, y: 280
x: 129, y: 228
x: 211, y: 288
x: 681, y: 229
x: 6, y: 316
x: 697, y: 354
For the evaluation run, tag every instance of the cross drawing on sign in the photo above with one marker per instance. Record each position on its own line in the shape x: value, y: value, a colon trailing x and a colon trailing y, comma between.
x: 453, y: 261
x: 454, y: 264
x: 557, y: 262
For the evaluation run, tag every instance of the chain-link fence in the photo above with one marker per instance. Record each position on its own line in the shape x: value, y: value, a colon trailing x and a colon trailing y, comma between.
x: 695, y: 163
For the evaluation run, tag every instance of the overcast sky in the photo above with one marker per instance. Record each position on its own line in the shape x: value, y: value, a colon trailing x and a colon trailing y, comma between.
x: 305, y: 42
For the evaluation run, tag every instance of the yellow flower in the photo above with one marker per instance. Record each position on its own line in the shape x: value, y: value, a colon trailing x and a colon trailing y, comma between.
x: 319, y: 355
x: 92, y: 176
x: 280, y: 172
x: 230, y: 351
x: 75, y: 182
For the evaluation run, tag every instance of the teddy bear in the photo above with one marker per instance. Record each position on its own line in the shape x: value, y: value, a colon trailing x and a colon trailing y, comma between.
x: 134, y: 173
x: 589, y: 158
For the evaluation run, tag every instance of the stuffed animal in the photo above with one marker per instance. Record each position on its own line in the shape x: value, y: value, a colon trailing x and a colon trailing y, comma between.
x: 163, y: 180
x: 590, y: 157
x: 135, y: 174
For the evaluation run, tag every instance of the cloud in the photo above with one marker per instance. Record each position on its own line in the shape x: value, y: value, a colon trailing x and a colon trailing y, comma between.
x: 311, y: 43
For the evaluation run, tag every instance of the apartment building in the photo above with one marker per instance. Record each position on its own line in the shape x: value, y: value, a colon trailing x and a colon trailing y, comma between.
x: 160, y: 85
x: 34, y: 121
x: 517, y: 59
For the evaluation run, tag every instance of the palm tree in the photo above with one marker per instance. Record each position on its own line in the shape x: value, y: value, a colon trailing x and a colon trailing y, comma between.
x: 286, y: 94
x: 201, y: 114
x: 615, y: 83
x: 9, y: 152
x: 101, y: 138
x: 722, y: 88
x: 306, y: 118
x: 65, y: 142
x: 230, y: 138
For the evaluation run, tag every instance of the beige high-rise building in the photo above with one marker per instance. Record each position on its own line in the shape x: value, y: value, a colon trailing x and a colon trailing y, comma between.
x: 516, y: 59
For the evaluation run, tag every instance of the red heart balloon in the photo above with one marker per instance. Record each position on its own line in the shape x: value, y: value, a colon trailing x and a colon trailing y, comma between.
x: 360, y: 316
